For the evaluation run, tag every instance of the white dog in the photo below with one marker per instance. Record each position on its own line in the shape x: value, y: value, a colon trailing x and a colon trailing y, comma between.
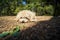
x: 25, y: 16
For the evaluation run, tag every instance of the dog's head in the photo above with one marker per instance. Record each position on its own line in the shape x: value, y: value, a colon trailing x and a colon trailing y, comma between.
x: 23, y: 19
x: 25, y: 16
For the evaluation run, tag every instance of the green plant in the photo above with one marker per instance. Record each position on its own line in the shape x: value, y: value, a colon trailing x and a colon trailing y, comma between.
x: 49, y: 10
x: 3, y: 34
x: 15, y: 32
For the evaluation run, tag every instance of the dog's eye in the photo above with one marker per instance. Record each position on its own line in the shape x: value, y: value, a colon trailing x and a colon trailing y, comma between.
x: 25, y: 17
x: 20, y: 17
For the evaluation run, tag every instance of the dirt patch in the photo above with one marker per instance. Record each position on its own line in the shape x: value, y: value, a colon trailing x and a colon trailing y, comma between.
x: 46, y: 28
x: 8, y: 22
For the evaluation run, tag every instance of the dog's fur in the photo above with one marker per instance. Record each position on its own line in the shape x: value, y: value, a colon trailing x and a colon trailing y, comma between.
x: 26, y: 15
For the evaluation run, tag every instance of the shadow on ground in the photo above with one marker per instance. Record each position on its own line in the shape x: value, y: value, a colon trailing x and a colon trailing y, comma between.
x: 43, y: 30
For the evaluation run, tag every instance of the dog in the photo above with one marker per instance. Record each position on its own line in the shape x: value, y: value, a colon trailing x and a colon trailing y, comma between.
x: 26, y: 16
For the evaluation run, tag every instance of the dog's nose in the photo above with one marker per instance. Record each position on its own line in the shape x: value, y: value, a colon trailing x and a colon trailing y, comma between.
x: 22, y: 21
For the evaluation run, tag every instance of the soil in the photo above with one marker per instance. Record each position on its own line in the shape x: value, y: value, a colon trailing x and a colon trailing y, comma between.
x: 32, y: 30
x: 8, y: 22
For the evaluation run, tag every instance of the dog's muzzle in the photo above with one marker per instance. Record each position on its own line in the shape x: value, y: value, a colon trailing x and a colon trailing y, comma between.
x: 23, y: 20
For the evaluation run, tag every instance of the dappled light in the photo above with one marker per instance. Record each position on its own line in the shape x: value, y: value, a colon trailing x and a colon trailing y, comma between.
x: 29, y: 20
x: 40, y: 30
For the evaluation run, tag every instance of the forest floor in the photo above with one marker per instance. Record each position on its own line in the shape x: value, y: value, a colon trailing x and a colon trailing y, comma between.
x: 31, y: 30
x: 8, y: 22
